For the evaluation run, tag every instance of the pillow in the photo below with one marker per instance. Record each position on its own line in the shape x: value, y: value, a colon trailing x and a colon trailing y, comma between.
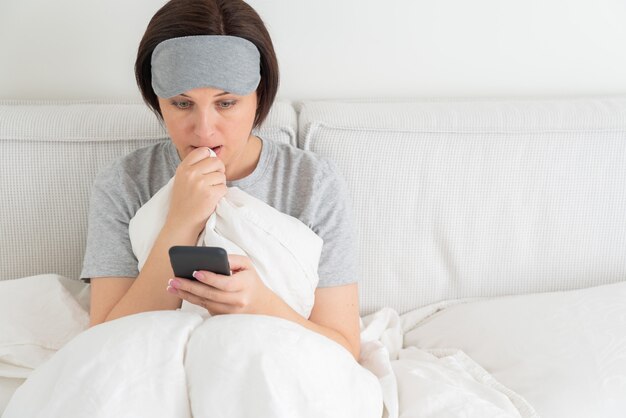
x: 28, y: 337
x: 564, y: 352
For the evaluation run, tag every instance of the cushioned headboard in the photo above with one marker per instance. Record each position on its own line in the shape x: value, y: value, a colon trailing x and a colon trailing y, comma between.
x: 49, y: 155
x: 479, y: 198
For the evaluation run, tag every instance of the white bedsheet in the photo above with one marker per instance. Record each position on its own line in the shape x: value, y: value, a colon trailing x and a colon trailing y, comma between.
x: 431, y: 383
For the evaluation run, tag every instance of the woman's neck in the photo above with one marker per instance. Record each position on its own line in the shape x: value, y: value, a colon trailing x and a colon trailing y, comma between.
x: 248, y: 160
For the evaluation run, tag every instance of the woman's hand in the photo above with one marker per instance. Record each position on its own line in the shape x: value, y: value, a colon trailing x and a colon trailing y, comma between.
x: 199, y: 184
x: 334, y: 315
x: 242, y: 292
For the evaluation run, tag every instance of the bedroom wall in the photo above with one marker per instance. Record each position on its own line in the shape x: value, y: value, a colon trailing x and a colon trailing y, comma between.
x: 338, y: 48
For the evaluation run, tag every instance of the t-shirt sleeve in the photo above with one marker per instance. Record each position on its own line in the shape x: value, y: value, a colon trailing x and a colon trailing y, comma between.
x: 335, y: 225
x: 108, y: 251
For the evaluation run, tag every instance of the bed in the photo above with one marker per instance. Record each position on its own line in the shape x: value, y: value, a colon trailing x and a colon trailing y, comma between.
x: 492, y: 239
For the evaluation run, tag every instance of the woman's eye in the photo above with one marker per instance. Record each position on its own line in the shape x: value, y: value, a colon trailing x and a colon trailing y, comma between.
x: 181, y: 105
x: 226, y: 105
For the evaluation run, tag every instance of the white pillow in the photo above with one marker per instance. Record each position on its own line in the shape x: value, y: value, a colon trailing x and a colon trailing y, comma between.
x: 38, y: 315
x: 564, y: 352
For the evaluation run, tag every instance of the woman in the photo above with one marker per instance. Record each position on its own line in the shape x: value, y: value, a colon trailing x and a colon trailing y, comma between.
x: 298, y: 183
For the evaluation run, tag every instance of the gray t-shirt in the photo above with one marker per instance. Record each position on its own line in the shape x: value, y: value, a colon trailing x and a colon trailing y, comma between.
x: 296, y: 182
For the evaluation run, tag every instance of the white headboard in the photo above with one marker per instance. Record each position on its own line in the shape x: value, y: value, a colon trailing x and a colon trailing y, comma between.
x: 49, y: 156
x: 452, y: 199
x: 470, y: 198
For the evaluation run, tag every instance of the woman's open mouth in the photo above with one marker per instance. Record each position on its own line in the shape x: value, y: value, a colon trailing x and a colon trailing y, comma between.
x: 217, y: 149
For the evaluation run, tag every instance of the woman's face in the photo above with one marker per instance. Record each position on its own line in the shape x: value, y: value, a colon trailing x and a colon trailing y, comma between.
x: 209, y: 117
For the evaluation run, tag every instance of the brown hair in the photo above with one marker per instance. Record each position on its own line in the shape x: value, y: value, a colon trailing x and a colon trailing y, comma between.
x: 208, y: 17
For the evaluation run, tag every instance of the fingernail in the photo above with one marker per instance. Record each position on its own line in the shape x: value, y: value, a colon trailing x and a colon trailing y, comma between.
x: 195, y: 274
x: 174, y: 283
x: 171, y: 289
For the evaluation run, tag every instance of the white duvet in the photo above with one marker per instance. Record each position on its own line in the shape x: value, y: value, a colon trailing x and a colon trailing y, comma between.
x: 167, y: 363
x: 186, y: 363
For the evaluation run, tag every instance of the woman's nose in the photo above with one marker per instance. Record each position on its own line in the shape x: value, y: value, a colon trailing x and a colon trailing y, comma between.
x: 205, y: 123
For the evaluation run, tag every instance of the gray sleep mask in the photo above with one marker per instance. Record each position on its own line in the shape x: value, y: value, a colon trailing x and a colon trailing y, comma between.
x: 225, y: 62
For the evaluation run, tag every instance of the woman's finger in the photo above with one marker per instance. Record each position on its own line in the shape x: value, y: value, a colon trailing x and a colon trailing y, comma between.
x: 239, y: 262
x: 209, y: 165
x: 219, y: 281
x: 204, y: 291
x: 214, y: 178
x: 196, y: 155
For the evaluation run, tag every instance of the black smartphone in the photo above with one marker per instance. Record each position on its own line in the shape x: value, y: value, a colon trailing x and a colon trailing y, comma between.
x: 187, y: 259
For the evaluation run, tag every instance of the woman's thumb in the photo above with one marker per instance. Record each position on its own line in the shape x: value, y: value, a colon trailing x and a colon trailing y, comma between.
x: 239, y: 262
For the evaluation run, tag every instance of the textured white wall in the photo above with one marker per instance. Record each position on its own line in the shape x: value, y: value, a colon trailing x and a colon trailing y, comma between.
x: 338, y: 48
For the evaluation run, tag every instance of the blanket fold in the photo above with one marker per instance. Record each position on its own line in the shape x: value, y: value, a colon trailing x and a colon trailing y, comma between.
x: 284, y: 251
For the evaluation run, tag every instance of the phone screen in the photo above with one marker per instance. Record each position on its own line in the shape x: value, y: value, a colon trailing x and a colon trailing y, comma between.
x: 187, y: 259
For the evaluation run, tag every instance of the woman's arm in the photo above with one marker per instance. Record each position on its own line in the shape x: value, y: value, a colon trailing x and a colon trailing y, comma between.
x: 199, y: 184
x: 335, y: 314
x: 114, y: 297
